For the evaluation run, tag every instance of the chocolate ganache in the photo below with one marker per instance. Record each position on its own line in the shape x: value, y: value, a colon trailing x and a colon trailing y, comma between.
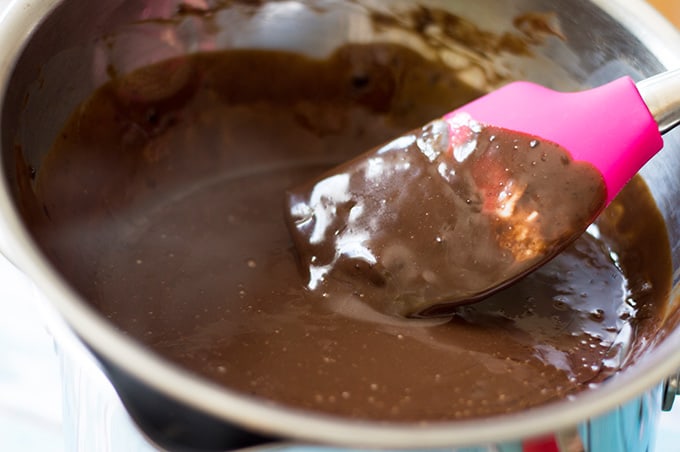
x: 162, y: 204
x: 441, y: 216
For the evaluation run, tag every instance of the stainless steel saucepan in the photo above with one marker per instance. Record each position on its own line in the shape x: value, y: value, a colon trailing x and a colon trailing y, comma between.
x: 54, y: 53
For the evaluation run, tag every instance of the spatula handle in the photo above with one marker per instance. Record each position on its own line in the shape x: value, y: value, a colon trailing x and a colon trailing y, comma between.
x: 661, y: 93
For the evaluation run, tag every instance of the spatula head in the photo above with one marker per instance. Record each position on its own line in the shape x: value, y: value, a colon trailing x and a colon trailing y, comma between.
x: 609, y: 126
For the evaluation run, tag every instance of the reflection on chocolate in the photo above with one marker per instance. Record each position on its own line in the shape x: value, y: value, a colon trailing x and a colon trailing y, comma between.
x: 442, y: 216
x: 165, y: 211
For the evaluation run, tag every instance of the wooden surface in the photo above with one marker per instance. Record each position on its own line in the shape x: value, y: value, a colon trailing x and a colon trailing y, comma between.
x: 670, y: 8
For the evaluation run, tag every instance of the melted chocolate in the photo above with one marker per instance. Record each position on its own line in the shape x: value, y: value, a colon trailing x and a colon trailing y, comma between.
x: 162, y: 204
x: 441, y: 216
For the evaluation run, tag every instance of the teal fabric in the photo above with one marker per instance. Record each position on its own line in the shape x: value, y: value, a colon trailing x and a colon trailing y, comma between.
x: 629, y: 428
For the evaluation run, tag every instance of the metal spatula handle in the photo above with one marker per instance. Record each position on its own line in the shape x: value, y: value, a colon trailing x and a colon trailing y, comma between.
x: 661, y: 93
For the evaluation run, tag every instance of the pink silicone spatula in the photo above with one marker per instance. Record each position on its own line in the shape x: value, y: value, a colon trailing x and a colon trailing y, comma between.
x: 616, y: 127
x: 467, y: 222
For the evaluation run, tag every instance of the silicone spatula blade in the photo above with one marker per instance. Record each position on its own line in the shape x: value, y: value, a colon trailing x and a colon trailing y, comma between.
x: 453, y: 212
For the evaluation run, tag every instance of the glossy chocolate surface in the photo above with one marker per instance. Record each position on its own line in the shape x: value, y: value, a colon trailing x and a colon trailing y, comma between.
x: 162, y: 203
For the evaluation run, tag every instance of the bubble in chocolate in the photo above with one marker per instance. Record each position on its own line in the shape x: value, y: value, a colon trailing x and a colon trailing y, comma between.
x: 434, y: 139
x: 464, y: 133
